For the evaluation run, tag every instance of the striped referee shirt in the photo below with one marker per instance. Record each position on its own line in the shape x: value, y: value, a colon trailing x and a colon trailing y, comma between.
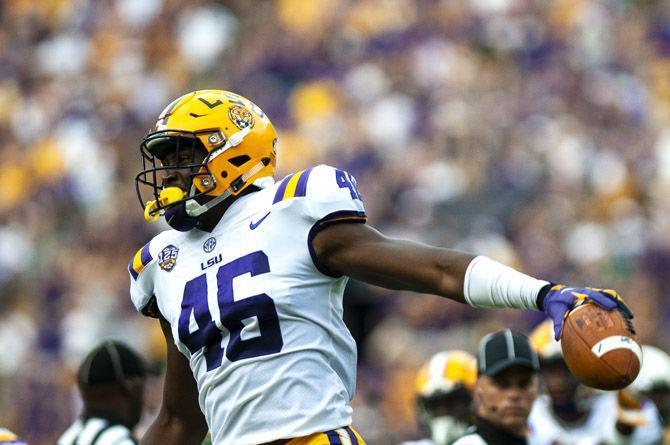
x: 96, y: 431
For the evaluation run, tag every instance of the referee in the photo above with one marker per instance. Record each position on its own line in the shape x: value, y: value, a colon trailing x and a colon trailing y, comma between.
x: 111, y: 380
x: 507, y: 384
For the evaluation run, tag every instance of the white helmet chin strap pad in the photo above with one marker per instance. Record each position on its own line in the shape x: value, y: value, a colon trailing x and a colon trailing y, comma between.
x: 264, y: 182
x: 195, y: 209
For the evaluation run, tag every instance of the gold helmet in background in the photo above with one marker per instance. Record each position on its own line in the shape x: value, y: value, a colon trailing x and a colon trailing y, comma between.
x: 542, y: 339
x: 444, y: 386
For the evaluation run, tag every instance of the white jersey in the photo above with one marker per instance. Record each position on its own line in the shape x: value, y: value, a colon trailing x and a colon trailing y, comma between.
x: 96, y: 431
x: 258, y: 318
x: 598, y: 428
x: 470, y: 439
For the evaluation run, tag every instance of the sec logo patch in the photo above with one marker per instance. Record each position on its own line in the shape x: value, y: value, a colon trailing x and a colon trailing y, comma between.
x: 209, y: 245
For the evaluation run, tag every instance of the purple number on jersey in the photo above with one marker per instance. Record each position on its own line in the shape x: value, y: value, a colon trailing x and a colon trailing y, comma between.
x: 258, y: 310
x: 207, y: 335
x: 345, y: 180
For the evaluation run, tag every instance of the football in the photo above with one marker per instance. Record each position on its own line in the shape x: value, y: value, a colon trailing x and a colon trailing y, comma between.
x: 600, y: 347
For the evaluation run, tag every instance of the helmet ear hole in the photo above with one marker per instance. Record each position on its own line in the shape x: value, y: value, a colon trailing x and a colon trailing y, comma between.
x: 239, y: 160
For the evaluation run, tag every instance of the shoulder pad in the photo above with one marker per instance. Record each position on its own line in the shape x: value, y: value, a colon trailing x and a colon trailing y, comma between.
x: 325, y: 183
x: 293, y: 186
x: 140, y: 261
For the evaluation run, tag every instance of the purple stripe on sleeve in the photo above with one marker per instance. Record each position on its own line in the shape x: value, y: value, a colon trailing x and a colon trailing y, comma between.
x: 352, y: 436
x: 282, y: 188
x: 333, y: 438
x: 145, y: 256
x: 131, y: 270
x: 301, y: 188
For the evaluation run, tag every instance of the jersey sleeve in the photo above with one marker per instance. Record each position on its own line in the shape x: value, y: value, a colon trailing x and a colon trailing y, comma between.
x: 140, y: 269
x: 331, y: 197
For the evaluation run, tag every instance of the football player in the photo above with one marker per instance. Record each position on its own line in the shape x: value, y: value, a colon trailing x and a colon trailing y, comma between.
x: 444, y: 387
x: 507, y: 385
x: 111, y: 381
x: 572, y: 413
x: 653, y: 383
x: 248, y: 285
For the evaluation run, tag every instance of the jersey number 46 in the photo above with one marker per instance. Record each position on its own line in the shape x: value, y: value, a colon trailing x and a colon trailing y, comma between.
x: 235, y: 315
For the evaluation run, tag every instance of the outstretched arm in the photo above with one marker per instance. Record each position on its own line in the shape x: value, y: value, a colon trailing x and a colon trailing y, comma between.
x: 179, y: 420
x: 362, y: 252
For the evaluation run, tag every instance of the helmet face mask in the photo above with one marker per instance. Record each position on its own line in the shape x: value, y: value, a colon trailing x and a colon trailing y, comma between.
x: 171, y: 153
x: 454, y: 403
x: 220, y: 140
x: 445, y: 415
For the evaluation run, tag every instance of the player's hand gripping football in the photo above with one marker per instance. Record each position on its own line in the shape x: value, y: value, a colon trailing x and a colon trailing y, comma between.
x: 560, y: 300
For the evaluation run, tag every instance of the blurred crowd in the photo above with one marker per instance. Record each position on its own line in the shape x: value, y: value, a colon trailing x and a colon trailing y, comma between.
x: 535, y: 132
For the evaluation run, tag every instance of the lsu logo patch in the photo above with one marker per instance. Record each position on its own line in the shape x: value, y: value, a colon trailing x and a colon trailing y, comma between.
x: 241, y: 117
x: 167, y: 259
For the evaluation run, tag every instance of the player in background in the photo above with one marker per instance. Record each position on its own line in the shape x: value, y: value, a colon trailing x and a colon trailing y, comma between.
x: 571, y: 413
x: 507, y: 384
x: 653, y: 384
x: 444, y: 387
x: 248, y: 285
x: 111, y: 380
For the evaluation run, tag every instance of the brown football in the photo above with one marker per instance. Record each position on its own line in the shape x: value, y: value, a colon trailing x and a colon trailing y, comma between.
x: 600, y: 347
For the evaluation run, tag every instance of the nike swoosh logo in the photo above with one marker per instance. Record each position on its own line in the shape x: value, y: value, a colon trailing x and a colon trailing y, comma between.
x: 253, y: 225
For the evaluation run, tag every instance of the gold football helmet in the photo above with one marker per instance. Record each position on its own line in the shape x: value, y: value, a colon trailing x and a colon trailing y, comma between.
x: 445, y: 371
x: 229, y: 143
x: 542, y: 339
x: 444, y: 385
